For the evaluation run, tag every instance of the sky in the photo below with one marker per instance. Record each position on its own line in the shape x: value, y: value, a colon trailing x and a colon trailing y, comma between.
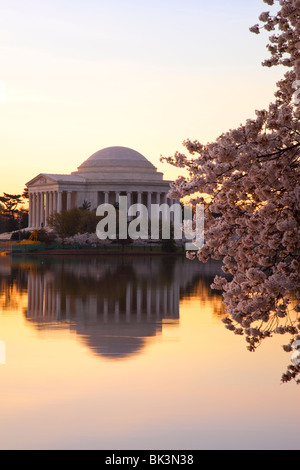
x: 80, y: 75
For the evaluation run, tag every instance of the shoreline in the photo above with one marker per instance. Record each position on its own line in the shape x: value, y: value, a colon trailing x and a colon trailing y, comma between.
x: 11, y: 249
x: 96, y: 252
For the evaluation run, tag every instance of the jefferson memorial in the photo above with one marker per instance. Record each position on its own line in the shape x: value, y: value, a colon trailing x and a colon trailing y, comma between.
x: 104, y: 177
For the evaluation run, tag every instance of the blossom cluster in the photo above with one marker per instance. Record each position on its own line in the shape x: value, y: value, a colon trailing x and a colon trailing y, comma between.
x: 248, y: 180
x: 84, y: 240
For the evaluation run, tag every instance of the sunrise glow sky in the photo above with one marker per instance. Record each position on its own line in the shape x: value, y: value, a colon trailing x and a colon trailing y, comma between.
x: 80, y: 75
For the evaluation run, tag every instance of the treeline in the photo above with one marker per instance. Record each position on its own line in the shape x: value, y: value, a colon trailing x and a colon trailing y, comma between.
x: 13, y: 212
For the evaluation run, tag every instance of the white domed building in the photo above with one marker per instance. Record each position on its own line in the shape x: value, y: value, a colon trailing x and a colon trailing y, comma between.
x: 104, y: 177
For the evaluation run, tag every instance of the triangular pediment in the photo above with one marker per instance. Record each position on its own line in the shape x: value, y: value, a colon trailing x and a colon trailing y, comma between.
x: 41, y: 180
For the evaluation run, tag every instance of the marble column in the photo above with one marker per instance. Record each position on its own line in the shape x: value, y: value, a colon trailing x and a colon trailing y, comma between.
x: 38, y: 210
x: 139, y: 198
x: 59, y: 201
x: 50, y: 203
x: 149, y: 201
x: 159, y: 214
x: 42, y: 208
x: 47, y: 213
x: 30, y: 215
x: 55, y: 198
x: 128, y: 199
x: 69, y: 200
x: 30, y: 210
x: 34, y: 206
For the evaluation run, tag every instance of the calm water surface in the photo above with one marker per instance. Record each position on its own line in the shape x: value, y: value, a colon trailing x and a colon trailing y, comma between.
x: 131, y: 353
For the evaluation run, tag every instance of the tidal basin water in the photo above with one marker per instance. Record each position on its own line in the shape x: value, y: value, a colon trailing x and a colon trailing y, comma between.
x: 131, y: 353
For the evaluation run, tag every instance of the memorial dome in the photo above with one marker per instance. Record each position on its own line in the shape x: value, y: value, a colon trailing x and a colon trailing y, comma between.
x: 116, y: 156
x: 118, y: 162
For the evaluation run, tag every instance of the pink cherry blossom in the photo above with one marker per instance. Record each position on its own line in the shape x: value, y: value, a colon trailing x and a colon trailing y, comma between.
x: 249, y: 181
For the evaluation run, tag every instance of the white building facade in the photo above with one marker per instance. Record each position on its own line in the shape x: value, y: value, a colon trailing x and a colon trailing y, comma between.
x: 104, y: 177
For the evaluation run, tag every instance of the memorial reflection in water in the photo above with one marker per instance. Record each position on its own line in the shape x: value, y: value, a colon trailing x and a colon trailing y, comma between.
x: 112, y: 303
x: 131, y: 353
